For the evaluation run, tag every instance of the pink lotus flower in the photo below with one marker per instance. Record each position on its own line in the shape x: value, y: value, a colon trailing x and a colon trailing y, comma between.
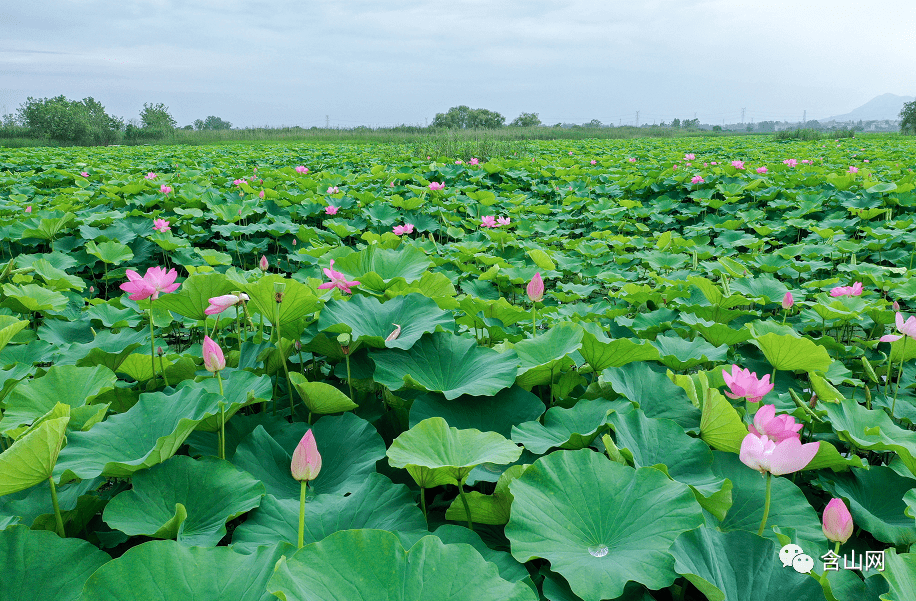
x: 150, y: 175
x: 631, y: 159
x: 837, y: 521
x: 689, y: 164
x: 854, y: 290
x: 689, y: 156
x: 696, y: 179
x: 155, y: 281
x: 407, y: 228
x: 28, y: 209
x: 213, y: 356
x: 302, y: 169
x: 593, y: 162
x: 761, y: 170
x: 714, y: 163
x: 738, y: 164
x: 263, y: 265
x: 239, y: 182
x: 778, y: 458
x: 806, y: 162
x: 218, y: 304
x: 488, y: 221
x: 261, y: 194
x: 775, y: 427
x: 503, y: 221
x: 474, y: 161
x: 907, y: 328
x: 791, y: 162
x: 459, y: 162
x: 864, y: 160
x: 294, y: 242
x: 331, y: 210
x: 674, y: 167
x: 338, y: 280
x: 570, y: 153
x: 787, y: 301
x: 744, y: 384
x: 306, y: 461
x: 853, y: 169
x: 535, y: 288
x: 161, y: 225
x: 333, y: 190
x: 165, y: 189
x: 84, y: 174
x: 437, y: 186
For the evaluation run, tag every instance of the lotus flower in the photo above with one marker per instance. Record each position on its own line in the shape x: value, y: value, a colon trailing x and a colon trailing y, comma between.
x: 156, y: 280
x: 338, y: 280
x: 907, y: 328
x: 503, y: 221
x: 331, y: 210
x: 459, y: 162
x: 407, y: 228
x: 631, y: 159
x: 761, y: 170
x: 333, y: 190
x: 536, y: 288
x: 28, y: 209
x: 696, y: 179
x: 263, y: 265
x: 161, y: 225
x: 239, y: 182
x: 593, y: 162
x: 165, y: 189
x: 738, y: 164
x: 896, y: 306
x: 775, y: 427
x: 306, y: 461
x: 84, y: 173
x: 437, y: 186
x: 488, y: 221
x: 213, y: 356
x: 777, y: 458
x: 689, y: 156
x: 302, y: 169
x: 714, y: 163
x: 853, y: 169
x: 854, y: 290
x: 744, y: 384
x: 261, y: 194
x: 473, y: 161
x: 150, y: 175
x: 218, y: 304
x: 837, y: 522
x: 791, y: 162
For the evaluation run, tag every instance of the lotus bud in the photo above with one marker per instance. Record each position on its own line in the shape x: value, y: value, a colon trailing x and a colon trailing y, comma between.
x: 159, y: 351
x: 306, y: 461
x: 91, y: 289
x: 536, y: 288
x: 787, y: 301
x: 297, y: 345
x: 263, y: 264
x: 896, y: 306
x: 213, y: 356
x: 837, y: 521
x: 394, y: 334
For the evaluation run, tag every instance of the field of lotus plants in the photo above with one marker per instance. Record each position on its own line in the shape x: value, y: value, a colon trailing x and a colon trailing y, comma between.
x: 641, y: 370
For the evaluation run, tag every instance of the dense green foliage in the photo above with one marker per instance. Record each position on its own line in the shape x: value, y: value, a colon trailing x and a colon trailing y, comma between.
x: 908, y: 118
x: 62, y: 120
x: 462, y: 117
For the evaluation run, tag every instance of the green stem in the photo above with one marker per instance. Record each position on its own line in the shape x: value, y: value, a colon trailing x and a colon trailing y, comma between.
x: 57, y: 518
x: 423, y: 504
x: 349, y: 380
x: 162, y: 370
x: 534, y: 321
x: 238, y: 330
x: 152, y: 342
x: 216, y: 325
x: 766, y: 505
x: 836, y: 548
x: 899, y: 374
x: 467, y: 508
x: 304, y: 485
x: 222, y: 419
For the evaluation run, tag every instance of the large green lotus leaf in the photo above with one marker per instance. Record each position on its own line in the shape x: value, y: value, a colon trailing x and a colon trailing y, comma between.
x: 739, y: 565
x: 573, y: 428
x: 240, y: 389
x: 790, y: 353
x: 239, y: 427
x: 556, y: 588
x: 9, y: 328
x: 30, y: 460
x: 31, y: 298
x: 496, y: 413
x: 661, y: 442
x: 765, y: 288
x: 321, y: 398
x: 298, y: 299
x: 543, y: 357
x: 677, y: 353
x: 371, y: 565
x: 74, y: 386
x: 193, y: 297
x: 33, y: 507
x: 872, y: 430
x: 164, y: 570
x: 599, y: 523
x: 655, y: 394
x: 900, y: 573
x: 210, y: 490
x: 487, y: 509
x: 406, y: 262
x: 57, y: 279
x: 880, y: 514
x: 602, y: 353
x: 107, y: 348
x: 788, y: 506
x: 374, y: 503
x: 349, y: 447
x: 148, y: 433
x: 443, y: 362
x: 371, y: 321
x: 110, y: 252
x: 433, y: 444
x: 38, y: 564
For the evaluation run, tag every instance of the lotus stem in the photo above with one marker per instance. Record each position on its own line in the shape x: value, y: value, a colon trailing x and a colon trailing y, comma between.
x: 222, y: 419
x: 238, y: 330
x: 467, y: 508
x: 152, y: 342
x: 423, y: 504
x: 162, y: 370
x: 57, y: 518
x: 899, y: 374
x: 766, y: 505
x: 534, y: 321
x: 303, y: 486
x: 215, y: 326
x: 349, y: 379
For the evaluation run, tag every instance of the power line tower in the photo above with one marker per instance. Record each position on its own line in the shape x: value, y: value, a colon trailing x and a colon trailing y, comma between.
x: 327, y: 122
x: 804, y: 116
x: 637, y: 118
x: 742, y: 114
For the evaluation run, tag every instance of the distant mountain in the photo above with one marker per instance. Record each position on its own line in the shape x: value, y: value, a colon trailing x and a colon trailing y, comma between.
x: 885, y: 106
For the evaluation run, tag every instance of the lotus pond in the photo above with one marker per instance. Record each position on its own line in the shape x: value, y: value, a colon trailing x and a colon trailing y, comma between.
x: 641, y: 369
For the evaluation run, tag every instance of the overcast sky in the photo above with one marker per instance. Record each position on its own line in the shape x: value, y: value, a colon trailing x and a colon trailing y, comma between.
x: 300, y: 62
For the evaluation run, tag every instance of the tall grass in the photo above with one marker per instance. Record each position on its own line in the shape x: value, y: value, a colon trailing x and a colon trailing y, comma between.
x: 813, y: 134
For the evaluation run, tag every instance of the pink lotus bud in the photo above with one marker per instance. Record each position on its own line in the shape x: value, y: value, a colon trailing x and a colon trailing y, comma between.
x: 536, y: 288
x: 837, y: 523
x: 787, y: 301
x: 261, y: 194
x: 84, y: 174
x: 28, y: 209
x: 294, y: 242
x: 297, y: 345
x: 263, y: 263
x: 306, y: 461
x: 896, y: 306
x: 91, y: 289
x: 213, y: 356
x: 159, y: 351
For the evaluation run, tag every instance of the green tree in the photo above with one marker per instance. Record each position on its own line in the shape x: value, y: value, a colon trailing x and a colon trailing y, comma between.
x: 157, y: 116
x: 463, y: 117
x: 676, y: 123
x: 593, y: 123
x: 908, y: 118
x: 77, y: 122
x: 211, y: 123
x: 526, y: 120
